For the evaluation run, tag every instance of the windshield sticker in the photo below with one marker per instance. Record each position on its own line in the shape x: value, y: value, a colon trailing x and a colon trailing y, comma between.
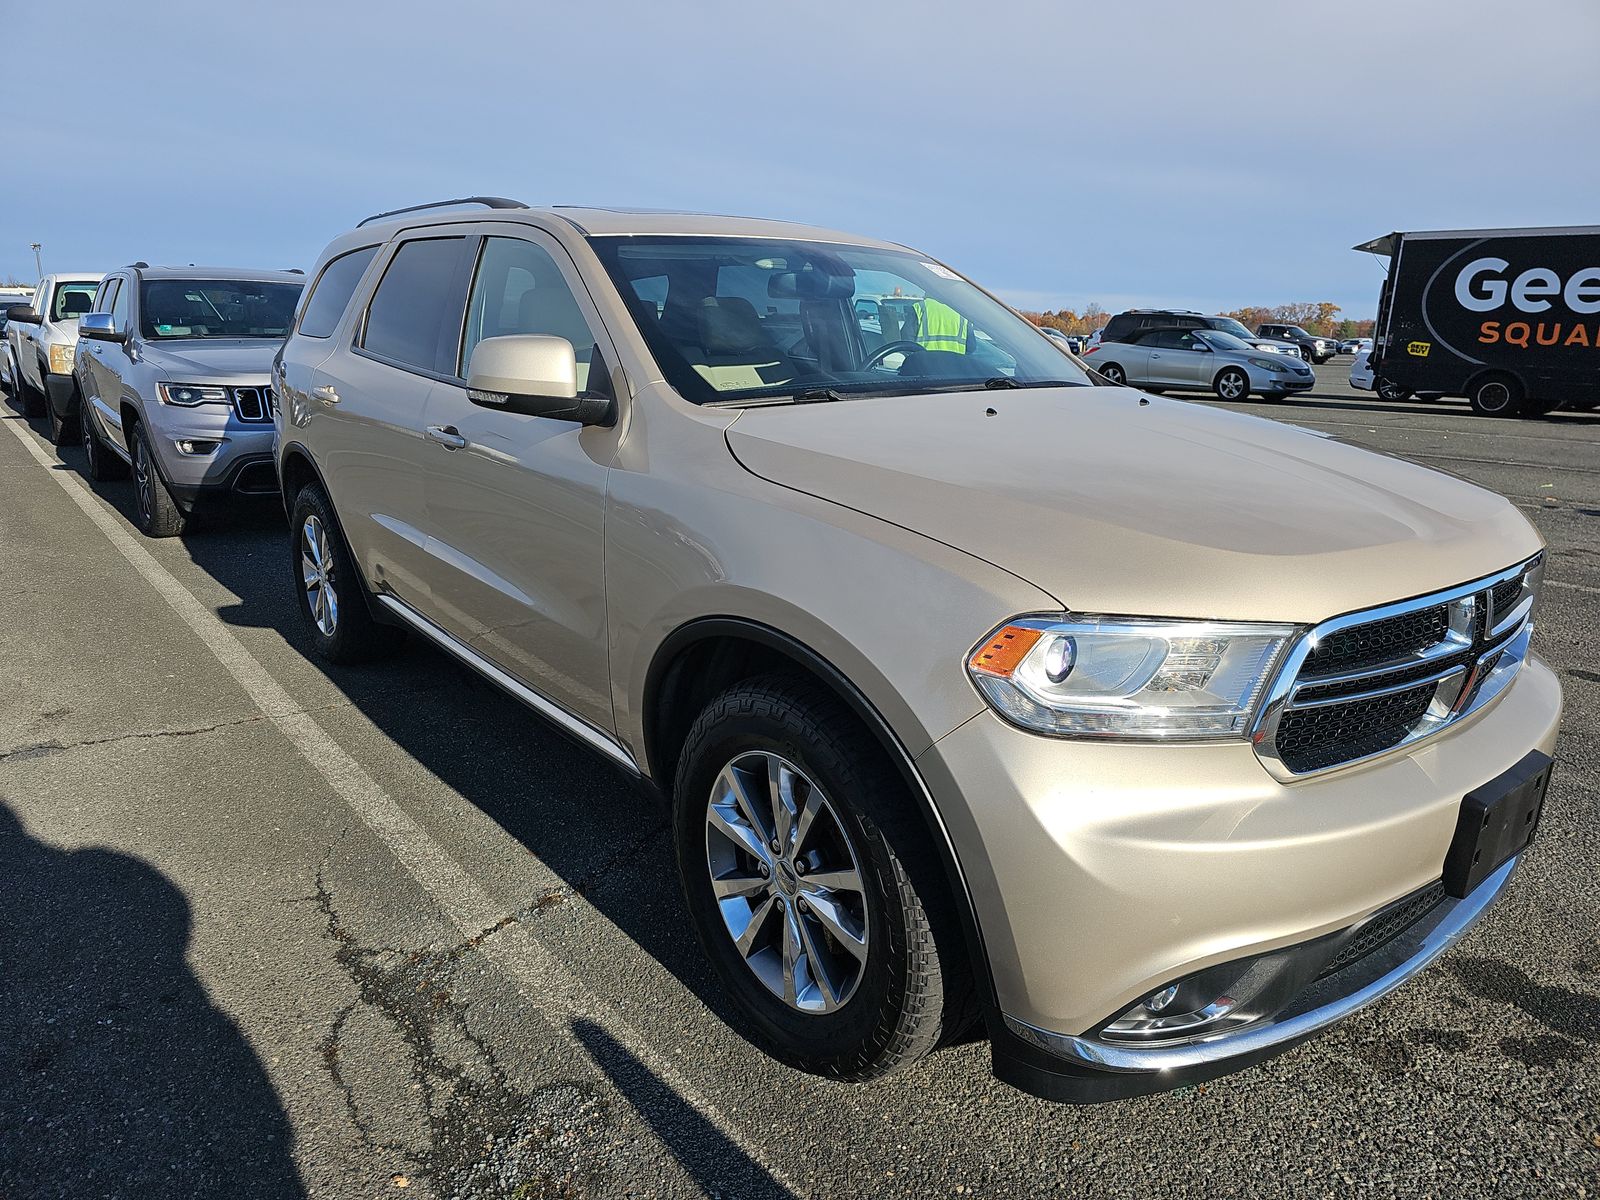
x: 941, y: 272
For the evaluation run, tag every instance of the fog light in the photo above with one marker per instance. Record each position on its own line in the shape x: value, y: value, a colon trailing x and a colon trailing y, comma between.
x: 196, y: 446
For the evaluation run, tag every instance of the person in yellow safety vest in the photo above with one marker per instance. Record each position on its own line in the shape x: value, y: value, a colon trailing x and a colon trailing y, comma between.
x: 940, y: 327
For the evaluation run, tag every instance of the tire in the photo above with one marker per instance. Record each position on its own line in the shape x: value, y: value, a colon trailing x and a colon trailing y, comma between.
x: 1305, y: 354
x: 1113, y: 374
x: 1231, y: 383
x: 155, y: 511
x: 1496, y: 396
x: 328, y: 589
x: 1391, y: 391
x: 100, y: 460
x: 30, y: 400
x: 864, y: 1013
x: 62, y: 431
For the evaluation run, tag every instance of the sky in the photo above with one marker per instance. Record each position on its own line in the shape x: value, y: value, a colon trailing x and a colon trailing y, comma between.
x: 1151, y: 153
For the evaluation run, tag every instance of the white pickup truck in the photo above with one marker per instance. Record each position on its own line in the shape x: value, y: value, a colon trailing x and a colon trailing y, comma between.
x: 41, y: 341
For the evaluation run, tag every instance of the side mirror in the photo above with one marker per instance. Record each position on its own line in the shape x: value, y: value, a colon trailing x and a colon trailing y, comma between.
x: 99, y: 326
x: 534, y: 375
x: 23, y: 314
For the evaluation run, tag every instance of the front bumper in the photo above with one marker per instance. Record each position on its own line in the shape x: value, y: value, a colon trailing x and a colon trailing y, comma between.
x: 235, y: 457
x: 1102, y: 871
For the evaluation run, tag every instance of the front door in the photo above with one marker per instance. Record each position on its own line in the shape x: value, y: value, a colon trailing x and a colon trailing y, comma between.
x: 516, y: 503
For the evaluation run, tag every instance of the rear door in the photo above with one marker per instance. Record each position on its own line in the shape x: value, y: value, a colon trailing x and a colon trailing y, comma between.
x: 367, y: 405
x: 516, y: 503
x: 1133, y: 357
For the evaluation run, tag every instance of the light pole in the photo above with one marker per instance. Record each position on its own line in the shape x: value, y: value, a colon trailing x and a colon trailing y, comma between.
x: 36, y: 248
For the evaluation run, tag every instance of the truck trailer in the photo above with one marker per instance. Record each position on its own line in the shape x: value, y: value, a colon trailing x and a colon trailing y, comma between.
x: 1508, y: 318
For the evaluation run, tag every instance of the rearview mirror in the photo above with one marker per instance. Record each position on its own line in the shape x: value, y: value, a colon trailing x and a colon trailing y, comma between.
x: 23, y: 314
x: 534, y: 375
x: 100, y: 326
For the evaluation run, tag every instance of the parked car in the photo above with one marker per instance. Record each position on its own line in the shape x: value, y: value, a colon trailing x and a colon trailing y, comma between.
x: 1125, y: 326
x: 1156, y: 736
x: 1199, y: 360
x: 1312, y: 348
x: 1355, y: 345
x: 9, y: 297
x: 1361, y: 372
x: 174, y: 369
x: 40, y: 342
x: 1068, y: 342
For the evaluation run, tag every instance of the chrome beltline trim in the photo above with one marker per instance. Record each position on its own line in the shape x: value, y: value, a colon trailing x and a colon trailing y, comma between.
x: 548, y: 709
x: 1252, y: 1039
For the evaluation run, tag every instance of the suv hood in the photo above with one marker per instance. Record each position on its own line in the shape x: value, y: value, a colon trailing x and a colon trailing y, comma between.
x: 225, y: 359
x: 1142, y: 507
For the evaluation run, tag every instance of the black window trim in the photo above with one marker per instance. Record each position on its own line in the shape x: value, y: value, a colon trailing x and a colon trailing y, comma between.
x: 305, y: 297
x: 459, y: 283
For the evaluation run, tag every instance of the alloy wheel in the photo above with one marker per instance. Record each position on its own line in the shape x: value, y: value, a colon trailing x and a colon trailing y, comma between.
x: 787, y: 882
x: 316, y: 573
x: 1231, y: 385
x: 1494, y: 397
x: 143, y: 482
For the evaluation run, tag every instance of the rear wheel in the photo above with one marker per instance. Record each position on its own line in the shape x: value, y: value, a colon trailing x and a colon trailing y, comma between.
x: 1231, y: 383
x: 1496, y: 396
x: 157, y: 512
x: 1113, y: 374
x: 1391, y: 391
x: 101, y: 460
x: 329, y: 591
x: 812, y: 884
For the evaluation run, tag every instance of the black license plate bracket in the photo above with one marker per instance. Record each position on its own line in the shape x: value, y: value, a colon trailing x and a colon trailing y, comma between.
x: 1497, y: 821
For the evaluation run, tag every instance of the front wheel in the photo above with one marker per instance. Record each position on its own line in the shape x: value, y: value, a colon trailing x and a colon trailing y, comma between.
x: 1113, y: 374
x: 157, y: 513
x: 1231, y: 384
x: 30, y: 399
x: 812, y: 884
x: 1391, y: 391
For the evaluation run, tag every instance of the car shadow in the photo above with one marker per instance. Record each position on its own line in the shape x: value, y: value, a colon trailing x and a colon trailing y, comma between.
x: 118, y: 1076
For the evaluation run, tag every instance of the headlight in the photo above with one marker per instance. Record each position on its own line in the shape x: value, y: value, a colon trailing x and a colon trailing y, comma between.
x: 188, y: 394
x: 1267, y: 364
x: 1128, y: 678
x: 61, y: 359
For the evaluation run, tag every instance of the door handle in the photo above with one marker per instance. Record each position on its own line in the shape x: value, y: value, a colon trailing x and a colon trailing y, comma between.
x: 326, y: 394
x: 447, y: 436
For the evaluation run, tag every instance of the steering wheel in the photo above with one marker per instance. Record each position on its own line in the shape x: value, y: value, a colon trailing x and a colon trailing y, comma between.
x: 882, y: 352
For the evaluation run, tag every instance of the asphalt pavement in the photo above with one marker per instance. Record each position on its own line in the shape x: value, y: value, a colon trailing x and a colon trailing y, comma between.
x: 270, y: 929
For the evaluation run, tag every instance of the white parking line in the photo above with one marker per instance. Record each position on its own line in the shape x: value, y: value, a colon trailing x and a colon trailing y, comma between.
x: 545, y: 983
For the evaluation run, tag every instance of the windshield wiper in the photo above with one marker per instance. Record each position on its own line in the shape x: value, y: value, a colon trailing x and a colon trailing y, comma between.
x: 818, y: 394
x: 1000, y: 381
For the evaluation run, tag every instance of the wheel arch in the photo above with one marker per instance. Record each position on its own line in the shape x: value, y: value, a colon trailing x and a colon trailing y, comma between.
x: 296, y: 468
x: 703, y: 657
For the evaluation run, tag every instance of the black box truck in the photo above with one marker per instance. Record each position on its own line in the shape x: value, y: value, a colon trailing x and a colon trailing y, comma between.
x: 1508, y: 318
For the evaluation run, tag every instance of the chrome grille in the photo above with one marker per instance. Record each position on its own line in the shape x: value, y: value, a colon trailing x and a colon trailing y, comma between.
x: 253, y: 404
x: 1367, y: 683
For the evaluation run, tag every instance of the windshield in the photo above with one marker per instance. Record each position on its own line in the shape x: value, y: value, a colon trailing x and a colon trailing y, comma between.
x: 736, y: 319
x: 1295, y: 331
x: 71, y: 301
x: 1218, y: 340
x: 1229, y: 325
x: 216, y: 308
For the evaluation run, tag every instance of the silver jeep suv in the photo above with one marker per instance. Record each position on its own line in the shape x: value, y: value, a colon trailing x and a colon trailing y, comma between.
x: 1155, y: 737
x: 173, y: 366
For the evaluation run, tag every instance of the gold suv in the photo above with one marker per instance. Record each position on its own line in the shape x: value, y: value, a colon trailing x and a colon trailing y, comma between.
x: 1153, y: 736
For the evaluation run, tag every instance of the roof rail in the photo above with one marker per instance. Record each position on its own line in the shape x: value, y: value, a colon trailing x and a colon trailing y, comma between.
x: 141, y: 265
x: 486, y: 201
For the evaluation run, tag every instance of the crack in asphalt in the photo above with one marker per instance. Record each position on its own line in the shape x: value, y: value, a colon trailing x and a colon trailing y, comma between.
x: 487, y: 1138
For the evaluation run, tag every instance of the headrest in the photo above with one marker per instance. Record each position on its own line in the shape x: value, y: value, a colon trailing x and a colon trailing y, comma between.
x: 729, y: 325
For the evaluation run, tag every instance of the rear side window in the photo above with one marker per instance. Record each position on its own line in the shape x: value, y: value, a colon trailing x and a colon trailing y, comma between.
x: 332, y: 291
x: 415, y: 315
